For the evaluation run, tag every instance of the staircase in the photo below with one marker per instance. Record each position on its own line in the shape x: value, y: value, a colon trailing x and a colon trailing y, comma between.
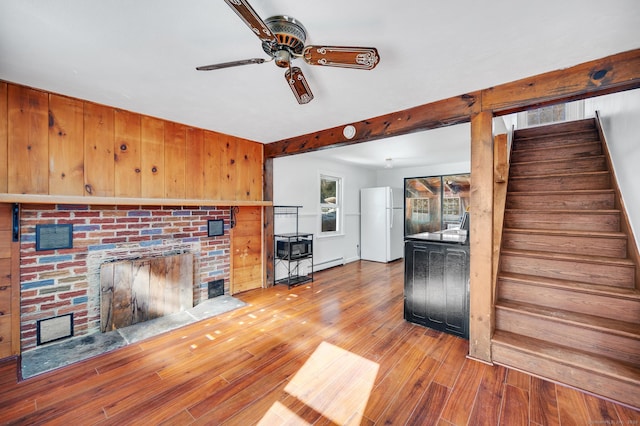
x: 567, y: 306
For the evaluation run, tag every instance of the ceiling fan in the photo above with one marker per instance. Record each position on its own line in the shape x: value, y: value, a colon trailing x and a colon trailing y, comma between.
x: 283, y: 39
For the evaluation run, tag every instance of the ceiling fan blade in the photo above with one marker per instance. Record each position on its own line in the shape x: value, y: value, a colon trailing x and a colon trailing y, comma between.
x: 299, y: 85
x: 231, y: 64
x: 253, y: 21
x: 365, y: 58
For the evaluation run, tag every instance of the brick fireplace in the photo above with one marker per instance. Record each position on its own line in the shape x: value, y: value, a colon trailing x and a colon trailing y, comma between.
x: 58, y: 282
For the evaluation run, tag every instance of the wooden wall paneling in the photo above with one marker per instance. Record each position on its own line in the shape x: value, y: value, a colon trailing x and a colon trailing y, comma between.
x: 481, y: 317
x: 215, y: 153
x: 242, y: 164
x: 66, y: 146
x: 4, y: 118
x: 152, y: 154
x: 246, y: 250
x: 99, y: 161
x: 250, y: 170
x: 175, y: 160
x: 194, y: 176
x: 28, y: 145
x: 229, y: 169
x: 128, y: 168
x: 5, y: 336
x: 6, y: 311
x: 242, y: 173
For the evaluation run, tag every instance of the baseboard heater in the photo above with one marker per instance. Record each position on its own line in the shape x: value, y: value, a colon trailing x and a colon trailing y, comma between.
x: 338, y: 261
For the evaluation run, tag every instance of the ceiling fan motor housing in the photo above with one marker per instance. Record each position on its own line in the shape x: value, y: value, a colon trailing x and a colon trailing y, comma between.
x: 291, y: 37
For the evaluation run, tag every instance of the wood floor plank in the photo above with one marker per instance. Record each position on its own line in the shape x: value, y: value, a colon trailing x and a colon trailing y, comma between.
x: 543, y: 403
x: 238, y: 368
x: 519, y: 379
x: 400, y: 410
x: 486, y: 408
x: 428, y: 410
x: 458, y: 408
x: 601, y: 411
x: 395, y: 380
x: 223, y: 405
x: 571, y: 407
x: 455, y: 359
x: 515, y: 406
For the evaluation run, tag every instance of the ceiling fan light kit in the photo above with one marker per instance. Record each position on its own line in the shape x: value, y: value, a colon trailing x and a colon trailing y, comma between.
x: 283, y: 39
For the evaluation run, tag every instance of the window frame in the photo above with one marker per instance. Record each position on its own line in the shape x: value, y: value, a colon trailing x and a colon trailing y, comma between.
x: 338, y: 206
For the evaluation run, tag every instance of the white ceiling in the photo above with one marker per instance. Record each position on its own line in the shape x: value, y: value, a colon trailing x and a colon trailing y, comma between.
x: 141, y: 55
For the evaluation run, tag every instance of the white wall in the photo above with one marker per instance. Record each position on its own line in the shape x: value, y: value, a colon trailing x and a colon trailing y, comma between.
x: 296, y: 181
x: 620, y: 115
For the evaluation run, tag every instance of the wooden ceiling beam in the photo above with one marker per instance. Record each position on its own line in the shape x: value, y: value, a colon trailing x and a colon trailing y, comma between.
x: 442, y: 113
x: 611, y: 74
x: 600, y: 77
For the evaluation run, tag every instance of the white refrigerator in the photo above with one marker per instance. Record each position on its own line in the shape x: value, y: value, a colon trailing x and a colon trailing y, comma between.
x: 381, y: 224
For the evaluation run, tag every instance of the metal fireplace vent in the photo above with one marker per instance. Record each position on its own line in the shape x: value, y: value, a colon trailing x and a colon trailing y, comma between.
x: 55, y: 328
x: 216, y: 288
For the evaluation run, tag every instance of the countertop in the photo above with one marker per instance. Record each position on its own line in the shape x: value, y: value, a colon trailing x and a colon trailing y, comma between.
x: 454, y: 236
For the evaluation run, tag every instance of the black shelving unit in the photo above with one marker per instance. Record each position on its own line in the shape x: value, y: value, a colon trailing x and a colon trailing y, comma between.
x: 293, y: 251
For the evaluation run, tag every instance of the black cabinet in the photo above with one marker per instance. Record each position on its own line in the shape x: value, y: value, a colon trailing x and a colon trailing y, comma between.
x: 436, y: 286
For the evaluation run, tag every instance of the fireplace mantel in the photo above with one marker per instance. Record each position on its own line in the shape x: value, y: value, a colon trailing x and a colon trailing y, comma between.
x: 110, y: 201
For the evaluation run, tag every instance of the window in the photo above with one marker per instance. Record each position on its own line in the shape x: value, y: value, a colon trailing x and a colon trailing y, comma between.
x: 544, y: 115
x: 330, y: 204
x: 420, y: 209
x: 451, y: 206
x: 551, y: 114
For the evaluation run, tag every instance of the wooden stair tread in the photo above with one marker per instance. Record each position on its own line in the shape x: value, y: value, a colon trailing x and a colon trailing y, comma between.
x: 586, y: 125
x: 567, y: 233
x: 619, y: 292
x: 572, y: 175
x: 609, y: 325
x: 559, y: 129
x: 569, y: 356
x: 555, y: 160
x: 572, y: 211
x: 551, y: 148
x: 561, y: 192
x: 569, y: 257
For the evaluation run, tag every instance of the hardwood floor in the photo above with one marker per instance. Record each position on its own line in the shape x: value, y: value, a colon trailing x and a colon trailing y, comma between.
x: 336, y: 351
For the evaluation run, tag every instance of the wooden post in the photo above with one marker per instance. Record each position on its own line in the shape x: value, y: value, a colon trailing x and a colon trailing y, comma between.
x: 481, y: 319
x: 267, y: 193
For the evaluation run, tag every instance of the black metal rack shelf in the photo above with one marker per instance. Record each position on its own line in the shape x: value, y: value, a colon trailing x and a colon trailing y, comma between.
x: 293, y: 251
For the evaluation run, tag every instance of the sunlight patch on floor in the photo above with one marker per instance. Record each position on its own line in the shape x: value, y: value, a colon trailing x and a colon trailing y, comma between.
x: 334, y: 382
